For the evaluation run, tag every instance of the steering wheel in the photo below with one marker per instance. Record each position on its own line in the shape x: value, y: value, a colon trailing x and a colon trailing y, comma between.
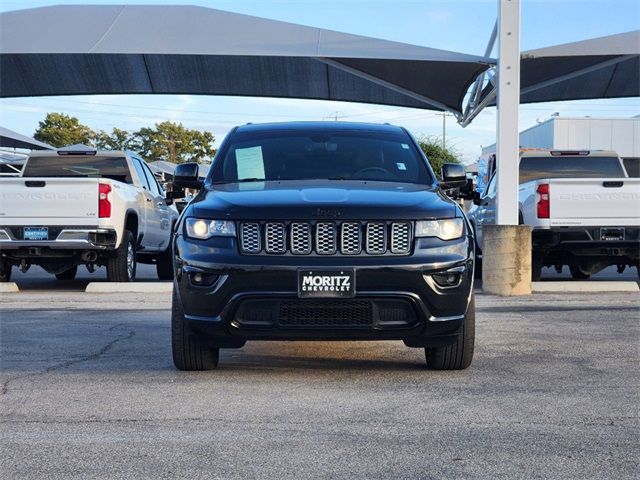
x: 384, y: 171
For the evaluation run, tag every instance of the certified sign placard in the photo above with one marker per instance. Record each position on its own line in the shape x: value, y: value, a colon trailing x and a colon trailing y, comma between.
x: 327, y: 283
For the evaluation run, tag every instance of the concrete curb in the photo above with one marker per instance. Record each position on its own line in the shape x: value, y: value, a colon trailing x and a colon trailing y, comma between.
x: 584, y: 287
x: 9, y: 287
x: 129, y: 287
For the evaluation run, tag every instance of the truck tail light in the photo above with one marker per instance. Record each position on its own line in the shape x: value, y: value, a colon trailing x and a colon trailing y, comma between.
x: 104, y: 205
x: 543, y: 202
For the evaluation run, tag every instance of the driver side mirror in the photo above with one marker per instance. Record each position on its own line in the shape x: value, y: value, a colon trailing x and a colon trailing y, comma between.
x: 186, y: 176
x: 477, y: 198
x: 453, y: 176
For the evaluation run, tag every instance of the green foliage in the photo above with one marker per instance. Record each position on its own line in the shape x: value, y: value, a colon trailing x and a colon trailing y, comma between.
x: 118, y: 139
x: 59, y: 130
x: 173, y: 142
x: 432, y: 148
x: 167, y: 141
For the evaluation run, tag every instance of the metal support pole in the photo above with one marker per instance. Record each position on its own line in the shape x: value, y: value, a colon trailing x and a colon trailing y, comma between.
x: 508, y: 103
x: 444, y: 131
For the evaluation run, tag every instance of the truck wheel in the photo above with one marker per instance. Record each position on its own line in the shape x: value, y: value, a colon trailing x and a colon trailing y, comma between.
x: 164, y: 263
x: 5, y: 270
x: 536, y: 268
x: 458, y: 355
x: 122, y: 266
x: 68, y: 274
x: 577, y: 273
x: 188, y: 355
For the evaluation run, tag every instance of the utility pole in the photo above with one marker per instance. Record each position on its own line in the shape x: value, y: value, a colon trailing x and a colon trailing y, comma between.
x: 444, y: 128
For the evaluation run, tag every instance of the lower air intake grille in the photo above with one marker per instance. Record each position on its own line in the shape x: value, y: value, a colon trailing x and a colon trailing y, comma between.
x: 326, y: 313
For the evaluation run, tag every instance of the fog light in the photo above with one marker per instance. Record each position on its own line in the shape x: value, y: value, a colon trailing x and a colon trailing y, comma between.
x: 202, y: 279
x: 447, y: 279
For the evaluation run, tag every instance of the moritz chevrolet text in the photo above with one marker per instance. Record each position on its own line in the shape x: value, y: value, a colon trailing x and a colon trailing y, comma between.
x: 322, y: 231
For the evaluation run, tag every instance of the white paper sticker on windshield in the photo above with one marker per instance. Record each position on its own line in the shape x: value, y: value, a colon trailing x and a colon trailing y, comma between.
x: 401, y: 166
x: 250, y: 163
x: 405, y: 146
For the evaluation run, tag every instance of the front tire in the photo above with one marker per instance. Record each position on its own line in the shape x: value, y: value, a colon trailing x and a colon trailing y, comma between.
x: 458, y: 355
x: 536, y: 268
x: 577, y: 273
x: 68, y: 274
x: 188, y: 355
x: 5, y: 270
x: 122, y: 266
x: 164, y: 263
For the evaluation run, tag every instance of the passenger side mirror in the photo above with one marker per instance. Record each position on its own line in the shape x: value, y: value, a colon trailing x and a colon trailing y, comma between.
x: 186, y: 176
x: 477, y: 198
x: 453, y: 176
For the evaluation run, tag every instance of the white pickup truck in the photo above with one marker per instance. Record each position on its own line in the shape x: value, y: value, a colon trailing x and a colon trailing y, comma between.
x: 81, y: 206
x: 583, y: 207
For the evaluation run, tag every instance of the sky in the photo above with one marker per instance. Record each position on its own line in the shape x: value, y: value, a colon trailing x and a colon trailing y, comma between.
x: 458, y: 25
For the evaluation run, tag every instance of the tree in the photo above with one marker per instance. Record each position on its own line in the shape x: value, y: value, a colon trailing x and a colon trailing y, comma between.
x: 173, y: 142
x: 118, y: 140
x: 60, y: 130
x: 437, y: 156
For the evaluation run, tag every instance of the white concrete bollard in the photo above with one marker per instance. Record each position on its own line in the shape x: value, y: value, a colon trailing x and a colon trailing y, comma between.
x: 506, y: 259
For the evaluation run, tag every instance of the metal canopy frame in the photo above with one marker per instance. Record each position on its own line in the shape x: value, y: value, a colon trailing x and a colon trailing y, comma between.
x: 482, y: 95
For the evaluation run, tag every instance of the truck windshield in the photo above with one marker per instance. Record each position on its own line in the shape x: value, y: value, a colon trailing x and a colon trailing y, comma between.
x: 114, y: 168
x: 535, y: 168
x: 332, y: 155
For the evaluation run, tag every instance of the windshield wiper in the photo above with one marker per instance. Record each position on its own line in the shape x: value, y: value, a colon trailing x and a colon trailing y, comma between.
x: 243, y: 180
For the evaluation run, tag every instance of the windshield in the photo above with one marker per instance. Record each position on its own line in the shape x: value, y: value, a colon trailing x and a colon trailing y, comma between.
x: 535, y: 168
x: 114, y: 168
x: 324, y: 154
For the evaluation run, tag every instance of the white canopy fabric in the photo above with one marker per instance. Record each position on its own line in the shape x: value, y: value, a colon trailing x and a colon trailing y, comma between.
x: 114, y: 49
x: 11, y: 139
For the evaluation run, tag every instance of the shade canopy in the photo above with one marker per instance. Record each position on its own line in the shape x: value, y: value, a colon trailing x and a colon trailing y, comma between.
x: 605, y: 67
x: 11, y: 139
x: 115, y: 49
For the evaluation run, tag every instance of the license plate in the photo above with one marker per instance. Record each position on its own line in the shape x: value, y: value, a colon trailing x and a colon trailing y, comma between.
x: 327, y: 283
x: 611, y: 234
x: 36, y: 233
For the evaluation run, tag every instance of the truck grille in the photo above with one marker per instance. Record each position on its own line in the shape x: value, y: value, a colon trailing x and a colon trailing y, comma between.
x: 326, y: 238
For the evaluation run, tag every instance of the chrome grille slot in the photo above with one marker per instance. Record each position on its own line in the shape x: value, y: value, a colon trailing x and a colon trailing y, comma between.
x: 300, y: 238
x: 400, y: 237
x: 250, y: 238
x: 376, y: 241
x: 275, y: 238
x: 350, y: 238
x: 325, y: 238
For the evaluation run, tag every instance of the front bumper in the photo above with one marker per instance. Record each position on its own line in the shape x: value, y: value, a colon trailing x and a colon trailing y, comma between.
x: 63, y: 238
x: 255, y: 297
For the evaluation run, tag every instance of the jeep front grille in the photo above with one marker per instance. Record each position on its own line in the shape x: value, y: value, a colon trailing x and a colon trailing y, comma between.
x: 326, y: 238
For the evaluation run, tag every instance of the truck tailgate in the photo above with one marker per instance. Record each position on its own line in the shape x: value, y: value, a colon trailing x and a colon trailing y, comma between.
x: 595, y: 201
x: 49, y: 201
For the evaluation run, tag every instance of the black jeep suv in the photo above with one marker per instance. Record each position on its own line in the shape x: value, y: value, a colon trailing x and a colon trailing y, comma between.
x: 322, y: 231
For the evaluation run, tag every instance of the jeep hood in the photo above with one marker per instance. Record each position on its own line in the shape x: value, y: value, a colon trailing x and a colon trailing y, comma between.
x: 318, y: 199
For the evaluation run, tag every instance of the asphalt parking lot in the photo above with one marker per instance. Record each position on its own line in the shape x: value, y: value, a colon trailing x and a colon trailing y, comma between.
x: 89, y: 391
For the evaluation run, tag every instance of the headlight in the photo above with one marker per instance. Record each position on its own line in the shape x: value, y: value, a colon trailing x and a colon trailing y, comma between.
x: 205, y: 228
x: 446, y: 229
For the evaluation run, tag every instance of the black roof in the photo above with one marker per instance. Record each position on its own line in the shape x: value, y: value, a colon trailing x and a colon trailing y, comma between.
x: 332, y: 126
